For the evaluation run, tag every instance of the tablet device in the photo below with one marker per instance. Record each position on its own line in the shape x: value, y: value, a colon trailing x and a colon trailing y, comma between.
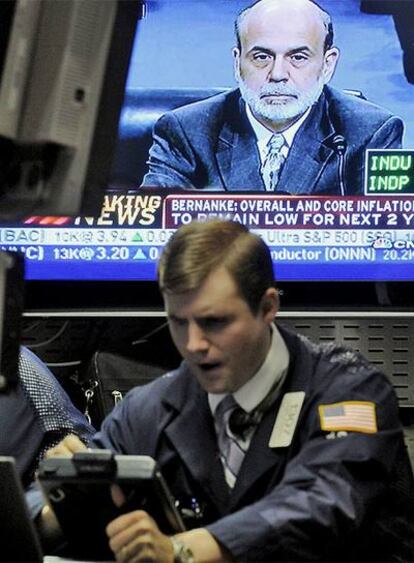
x: 79, y: 491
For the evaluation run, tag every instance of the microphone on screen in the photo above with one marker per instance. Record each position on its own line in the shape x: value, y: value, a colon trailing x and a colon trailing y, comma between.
x: 339, y: 145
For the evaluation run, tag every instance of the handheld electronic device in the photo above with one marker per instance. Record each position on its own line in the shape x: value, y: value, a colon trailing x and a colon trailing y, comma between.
x: 79, y: 491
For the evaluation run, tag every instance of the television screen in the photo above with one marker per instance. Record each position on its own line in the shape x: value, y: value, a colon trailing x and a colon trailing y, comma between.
x: 335, y: 201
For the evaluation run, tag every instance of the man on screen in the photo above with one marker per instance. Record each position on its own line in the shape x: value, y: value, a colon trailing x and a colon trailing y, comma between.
x: 283, y: 130
x: 282, y: 449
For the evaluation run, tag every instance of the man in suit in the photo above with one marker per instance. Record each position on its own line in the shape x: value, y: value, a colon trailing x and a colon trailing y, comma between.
x: 275, y: 448
x: 283, y: 130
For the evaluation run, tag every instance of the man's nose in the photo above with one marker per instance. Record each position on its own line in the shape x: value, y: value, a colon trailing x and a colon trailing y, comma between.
x: 279, y: 71
x: 196, y: 340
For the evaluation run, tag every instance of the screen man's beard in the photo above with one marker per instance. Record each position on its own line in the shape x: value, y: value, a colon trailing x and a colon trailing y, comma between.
x: 288, y: 108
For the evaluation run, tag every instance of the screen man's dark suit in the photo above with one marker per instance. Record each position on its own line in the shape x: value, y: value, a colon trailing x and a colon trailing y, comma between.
x: 211, y: 145
x: 325, y: 497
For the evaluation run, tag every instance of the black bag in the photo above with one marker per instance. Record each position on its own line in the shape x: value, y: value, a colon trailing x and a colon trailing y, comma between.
x: 108, y: 378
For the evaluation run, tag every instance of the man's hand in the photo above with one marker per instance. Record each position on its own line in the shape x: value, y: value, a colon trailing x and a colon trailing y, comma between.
x: 49, y: 529
x: 136, y: 537
x: 70, y: 445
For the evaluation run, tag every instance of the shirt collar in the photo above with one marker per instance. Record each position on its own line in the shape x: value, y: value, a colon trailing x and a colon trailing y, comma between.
x: 257, y: 388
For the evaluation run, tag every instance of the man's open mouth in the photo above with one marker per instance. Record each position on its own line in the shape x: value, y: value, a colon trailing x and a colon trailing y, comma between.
x: 209, y: 366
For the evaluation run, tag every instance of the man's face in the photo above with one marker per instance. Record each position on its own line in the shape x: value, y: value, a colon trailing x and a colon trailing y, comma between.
x: 282, y: 66
x: 214, y: 329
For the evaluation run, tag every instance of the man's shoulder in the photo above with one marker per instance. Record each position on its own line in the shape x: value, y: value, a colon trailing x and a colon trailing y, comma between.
x: 209, y: 108
x: 170, y: 387
x: 351, y: 106
x: 358, y: 119
x: 328, y: 357
x: 158, y: 399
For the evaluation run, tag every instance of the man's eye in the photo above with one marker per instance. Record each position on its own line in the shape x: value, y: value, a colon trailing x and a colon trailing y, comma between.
x: 177, y: 322
x: 214, y: 322
x: 299, y: 58
x: 261, y: 57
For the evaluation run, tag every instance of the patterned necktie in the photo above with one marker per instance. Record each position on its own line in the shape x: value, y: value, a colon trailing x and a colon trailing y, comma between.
x: 273, y: 162
x: 232, y: 448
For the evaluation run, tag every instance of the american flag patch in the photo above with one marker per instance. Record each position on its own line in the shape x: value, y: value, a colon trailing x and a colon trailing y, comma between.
x: 355, y: 416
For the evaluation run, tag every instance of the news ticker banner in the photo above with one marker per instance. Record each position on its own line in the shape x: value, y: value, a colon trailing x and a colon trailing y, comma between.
x: 256, y: 211
x: 309, y: 237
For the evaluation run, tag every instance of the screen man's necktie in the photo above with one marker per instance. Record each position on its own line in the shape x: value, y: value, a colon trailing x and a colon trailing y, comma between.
x: 273, y: 162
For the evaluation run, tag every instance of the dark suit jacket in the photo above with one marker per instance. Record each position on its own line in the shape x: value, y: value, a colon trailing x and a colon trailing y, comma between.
x: 323, y: 497
x: 211, y: 145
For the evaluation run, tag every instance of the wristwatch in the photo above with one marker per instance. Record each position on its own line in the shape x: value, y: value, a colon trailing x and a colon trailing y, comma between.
x: 182, y: 553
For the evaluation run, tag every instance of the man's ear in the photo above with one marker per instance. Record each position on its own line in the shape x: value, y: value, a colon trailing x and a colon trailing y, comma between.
x: 236, y: 62
x: 330, y: 61
x: 270, y: 304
